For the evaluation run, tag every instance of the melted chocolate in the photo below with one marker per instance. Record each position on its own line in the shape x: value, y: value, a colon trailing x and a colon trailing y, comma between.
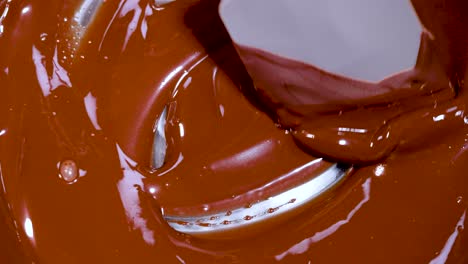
x: 93, y: 96
x: 351, y: 120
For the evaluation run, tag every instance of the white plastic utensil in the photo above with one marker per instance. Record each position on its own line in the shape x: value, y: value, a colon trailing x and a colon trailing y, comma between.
x: 361, y: 39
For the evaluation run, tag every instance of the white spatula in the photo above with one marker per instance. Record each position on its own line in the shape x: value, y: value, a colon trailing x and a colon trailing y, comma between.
x: 359, y: 40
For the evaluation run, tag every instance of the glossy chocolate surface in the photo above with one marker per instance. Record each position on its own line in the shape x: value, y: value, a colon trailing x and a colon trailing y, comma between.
x: 92, y: 96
